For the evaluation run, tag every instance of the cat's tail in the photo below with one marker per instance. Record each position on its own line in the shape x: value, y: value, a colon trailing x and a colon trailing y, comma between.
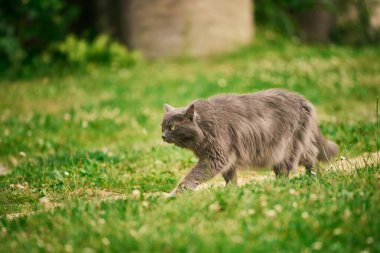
x: 327, y: 149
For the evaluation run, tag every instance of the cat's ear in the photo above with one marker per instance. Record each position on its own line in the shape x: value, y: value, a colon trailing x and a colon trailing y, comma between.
x: 168, y: 108
x: 190, y: 111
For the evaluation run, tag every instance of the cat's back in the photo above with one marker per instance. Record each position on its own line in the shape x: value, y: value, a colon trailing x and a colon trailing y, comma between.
x: 263, y: 102
x: 260, y: 96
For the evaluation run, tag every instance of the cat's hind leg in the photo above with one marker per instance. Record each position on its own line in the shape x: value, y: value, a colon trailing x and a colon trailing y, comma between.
x: 309, y: 170
x: 291, y: 161
x: 309, y: 159
x: 284, y: 168
x: 281, y: 170
x: 230, y: 175
x: 309, y: 165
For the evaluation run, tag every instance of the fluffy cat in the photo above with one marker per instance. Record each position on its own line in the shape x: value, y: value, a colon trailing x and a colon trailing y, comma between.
x: 271, y: 128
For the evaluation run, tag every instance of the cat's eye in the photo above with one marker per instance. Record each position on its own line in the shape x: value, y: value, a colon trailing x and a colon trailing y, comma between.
x: 172, y: 128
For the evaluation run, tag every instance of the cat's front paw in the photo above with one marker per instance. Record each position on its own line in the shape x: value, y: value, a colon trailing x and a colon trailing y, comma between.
x: 182, y: 187
x: 186, y: 186
x: 171, y: 194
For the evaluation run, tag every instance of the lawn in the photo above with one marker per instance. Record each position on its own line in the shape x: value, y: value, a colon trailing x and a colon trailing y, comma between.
x: 73, y: 139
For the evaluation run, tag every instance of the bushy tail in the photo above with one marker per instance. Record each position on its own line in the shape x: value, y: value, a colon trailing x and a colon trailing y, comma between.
x: 327, y: 149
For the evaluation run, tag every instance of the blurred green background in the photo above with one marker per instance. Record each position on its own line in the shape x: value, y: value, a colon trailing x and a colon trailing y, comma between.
x: 82, y: 162
x: 34, y: 34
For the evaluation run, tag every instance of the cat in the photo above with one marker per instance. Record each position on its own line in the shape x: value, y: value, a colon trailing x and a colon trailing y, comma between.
x: 270, y: 128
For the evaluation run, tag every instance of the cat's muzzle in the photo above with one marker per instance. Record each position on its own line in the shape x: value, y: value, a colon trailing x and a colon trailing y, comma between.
x: 165, y: 138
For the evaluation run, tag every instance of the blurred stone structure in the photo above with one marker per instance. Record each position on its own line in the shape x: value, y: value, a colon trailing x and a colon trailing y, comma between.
x: 315, y: 25
x: 375, y: 17
x: 170, y: 28
x: 351, y: 19
x: 362, y: 17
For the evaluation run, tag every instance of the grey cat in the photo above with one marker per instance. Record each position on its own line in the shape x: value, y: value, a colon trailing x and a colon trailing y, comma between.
x: 271, y: 128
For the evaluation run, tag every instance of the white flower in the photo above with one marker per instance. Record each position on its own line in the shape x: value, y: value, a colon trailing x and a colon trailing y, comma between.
x: 305, y: 215
x: 84, y: 124
x: 68, y: 248
x: 21, y: 186
x: 44, y: 201
x: 3, y: 170
x: 105, y: 241
x: 270, y: 213
x: 292, y: 191
x: 263, y: 202
x: 317, y: 245
x: 278, y: 208
x: 369, y: 240
x: 66, y: 116
x: 347, y: 214
x: 313, y: 197
x: 136, y: 194
x: 337, y: 231
x: 215, y: 207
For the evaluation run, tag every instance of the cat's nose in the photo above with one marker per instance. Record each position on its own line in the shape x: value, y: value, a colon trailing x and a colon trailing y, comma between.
x: 163, y: 136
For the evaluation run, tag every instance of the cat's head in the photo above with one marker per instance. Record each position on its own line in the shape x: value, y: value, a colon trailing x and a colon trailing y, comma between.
x: 179, y: 127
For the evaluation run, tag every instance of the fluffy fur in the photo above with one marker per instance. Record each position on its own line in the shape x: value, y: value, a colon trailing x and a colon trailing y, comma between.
x: 271, y: 128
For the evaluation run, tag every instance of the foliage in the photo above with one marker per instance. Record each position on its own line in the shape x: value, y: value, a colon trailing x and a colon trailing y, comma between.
x: 282, y: 16
x: 100, y: 50
x: 28, y: 27
x: 77, y: 137
x: 356, y: 30
x: 35, y: 34
x: 279, y: 15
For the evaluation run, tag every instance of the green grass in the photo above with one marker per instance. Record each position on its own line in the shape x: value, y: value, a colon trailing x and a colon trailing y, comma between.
x: 73, y: 135
x: 337, y: 212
